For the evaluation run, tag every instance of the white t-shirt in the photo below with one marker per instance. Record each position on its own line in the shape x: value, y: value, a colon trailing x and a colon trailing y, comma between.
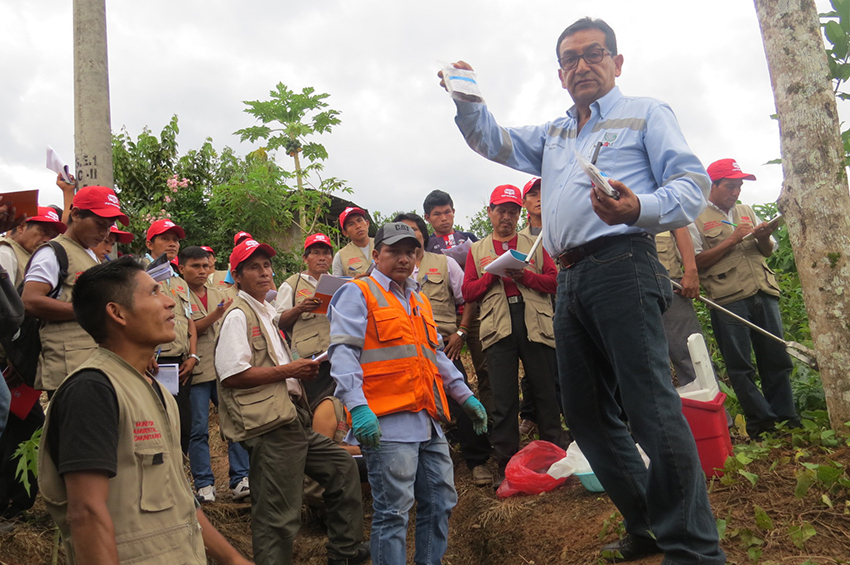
x: 44, y: 266
x: 9, y: 261
x: 233, y: 352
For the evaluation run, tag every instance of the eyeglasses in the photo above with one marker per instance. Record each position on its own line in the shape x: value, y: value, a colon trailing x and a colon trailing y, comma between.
x: 592, y: 57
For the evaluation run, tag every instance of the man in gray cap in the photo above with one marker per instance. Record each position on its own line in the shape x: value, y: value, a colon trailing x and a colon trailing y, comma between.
x: 388, y: 362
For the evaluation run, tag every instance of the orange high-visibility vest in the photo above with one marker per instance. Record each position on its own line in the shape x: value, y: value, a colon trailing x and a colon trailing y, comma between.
x: 399, y: 356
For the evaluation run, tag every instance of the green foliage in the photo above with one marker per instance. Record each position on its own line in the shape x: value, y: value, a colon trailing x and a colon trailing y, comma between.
x: 480, y: 225
x: 27, y: 456
x: 612, y: 524
x: 836, y: 28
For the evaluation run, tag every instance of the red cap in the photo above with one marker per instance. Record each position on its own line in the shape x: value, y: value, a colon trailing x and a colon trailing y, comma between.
x: 318, y: 238
x: 208, y: 249
x: 529, y: 185
x: 159, y: 227
x: 100, y: 200
x: 349, y: 211
x: 240, y: 236
x: 175, y: 262
x: 245, y: 249
x: 48, y: 215
x: 121, y: 236
x: 727, y: 169
x: 504, y: 194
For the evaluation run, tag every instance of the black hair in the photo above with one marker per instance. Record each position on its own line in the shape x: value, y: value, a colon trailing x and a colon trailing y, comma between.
x: 240, y: 266
x: 420, y: 223
x: 113, y: 281
x: 191, y: 252
x: 588, y: 23
x: 84, y: 214
x: 317, y: 245
x: 437, y: 198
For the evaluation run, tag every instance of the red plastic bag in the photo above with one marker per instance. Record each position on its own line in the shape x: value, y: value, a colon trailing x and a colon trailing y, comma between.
x: 526, y: 471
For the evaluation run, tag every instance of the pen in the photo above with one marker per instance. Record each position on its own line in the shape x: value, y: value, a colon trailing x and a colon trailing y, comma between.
x: 728, y: 223
x: 158, y: 351
x: 596, y: 153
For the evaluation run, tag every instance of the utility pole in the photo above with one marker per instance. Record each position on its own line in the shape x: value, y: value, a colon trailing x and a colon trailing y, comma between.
x: 92, y: 122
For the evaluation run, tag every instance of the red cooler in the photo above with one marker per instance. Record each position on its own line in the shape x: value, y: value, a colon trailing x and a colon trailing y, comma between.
x: 708, y: 424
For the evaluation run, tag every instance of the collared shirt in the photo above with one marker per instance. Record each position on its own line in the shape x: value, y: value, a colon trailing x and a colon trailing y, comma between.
x: 284, y: 302
x: 233, y: 352
x: 455, y: 279
x: 697, y: 238
x: 348, y: 316
x: 642, y: 146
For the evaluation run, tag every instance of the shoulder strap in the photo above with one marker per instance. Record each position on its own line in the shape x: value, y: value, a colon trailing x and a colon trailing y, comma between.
x: 62, y: 258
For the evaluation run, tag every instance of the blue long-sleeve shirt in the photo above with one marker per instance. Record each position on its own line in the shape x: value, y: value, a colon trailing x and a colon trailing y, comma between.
x: 643, y: 148
x: 348, y: 317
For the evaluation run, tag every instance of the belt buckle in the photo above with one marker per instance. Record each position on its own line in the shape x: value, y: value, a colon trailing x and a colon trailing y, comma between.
x: 514, y: 299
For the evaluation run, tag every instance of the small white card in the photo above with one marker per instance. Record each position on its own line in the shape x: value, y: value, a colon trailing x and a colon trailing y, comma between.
x: 168, y: 376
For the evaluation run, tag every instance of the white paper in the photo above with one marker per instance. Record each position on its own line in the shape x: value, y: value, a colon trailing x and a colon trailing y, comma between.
x: 321, y: 357
x: 168, y: 376
x: 161, y: 272
x: 329, y: 284
x: 511, y: 259
x: 459, y: 252
x: 57, y: 165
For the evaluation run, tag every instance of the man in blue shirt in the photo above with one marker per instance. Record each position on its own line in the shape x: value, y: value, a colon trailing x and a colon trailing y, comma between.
x: 612, y: 290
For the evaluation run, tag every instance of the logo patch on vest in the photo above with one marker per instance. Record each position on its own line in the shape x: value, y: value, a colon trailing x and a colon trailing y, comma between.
x: 746, y: 219
x: 305, y: 292
x: 711, y: 225
x: 145, y: 430
x: 255, y: 331
x: 353, y: 260
x: 485, y: 261
x: 195, y: 308
x: 434, y: 270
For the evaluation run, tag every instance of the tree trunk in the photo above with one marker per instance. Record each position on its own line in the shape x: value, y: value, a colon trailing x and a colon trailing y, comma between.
x: 815, y: 198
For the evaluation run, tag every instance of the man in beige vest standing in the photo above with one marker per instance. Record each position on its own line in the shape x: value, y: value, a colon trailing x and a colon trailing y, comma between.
x: 208, y: 308
x: 110, y: 466
x: 516, y: 323
x: 531, y: 203
x: 64, y: 344
x: 18, y: 245
x: 163, y: 237
x: 263, y: 406
x: 355, y: 258
x: 310, y: 332
x: 734, y: 273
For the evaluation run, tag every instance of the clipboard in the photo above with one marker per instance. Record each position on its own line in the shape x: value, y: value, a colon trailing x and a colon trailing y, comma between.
x: 25, y: 202
x: 512, y: 259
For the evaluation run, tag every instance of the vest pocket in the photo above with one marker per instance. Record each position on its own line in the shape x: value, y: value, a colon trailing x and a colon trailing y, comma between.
x: 723, y: 281
x: 387, y: 324
x: 157, y: 494
x: 308, y: 345
x: 257, y: 406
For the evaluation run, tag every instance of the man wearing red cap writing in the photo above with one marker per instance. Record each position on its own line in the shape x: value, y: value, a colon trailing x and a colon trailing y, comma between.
x: 733, y: 271
x: 47, y: 291
x: 356, y: 257
x: 264, y: 407
x: 516, y: 323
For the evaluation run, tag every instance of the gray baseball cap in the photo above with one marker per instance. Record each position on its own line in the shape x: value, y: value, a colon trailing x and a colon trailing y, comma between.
x: 392, y: 233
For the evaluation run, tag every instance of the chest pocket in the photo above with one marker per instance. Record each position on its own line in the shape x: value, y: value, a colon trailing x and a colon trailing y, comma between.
x: 154, y: 463
x: 388, y: 326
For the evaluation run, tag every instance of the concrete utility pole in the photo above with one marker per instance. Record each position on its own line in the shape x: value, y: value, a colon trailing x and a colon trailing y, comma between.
x: 814, y: 199
x: 92, y: 123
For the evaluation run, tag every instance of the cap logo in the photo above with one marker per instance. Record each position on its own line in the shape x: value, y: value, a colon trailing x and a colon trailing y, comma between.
x: 53, y: 216
x: 112, y: 200
x: 251, y: 243
x: 168, y: 223
x: 509, y: 192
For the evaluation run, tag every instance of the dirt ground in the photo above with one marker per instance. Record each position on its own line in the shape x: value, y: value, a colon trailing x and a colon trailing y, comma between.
x: 566, y: 526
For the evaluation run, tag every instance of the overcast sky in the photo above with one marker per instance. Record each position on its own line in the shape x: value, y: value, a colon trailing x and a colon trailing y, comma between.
x: 378, y: 60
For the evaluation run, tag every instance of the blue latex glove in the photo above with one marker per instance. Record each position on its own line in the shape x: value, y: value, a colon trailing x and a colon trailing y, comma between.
x: 476, y: 412
x: 365, y: 426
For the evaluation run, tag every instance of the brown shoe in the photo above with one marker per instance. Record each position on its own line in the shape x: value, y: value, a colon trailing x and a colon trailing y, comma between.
x: 526, y: 427
x: 481, y: 476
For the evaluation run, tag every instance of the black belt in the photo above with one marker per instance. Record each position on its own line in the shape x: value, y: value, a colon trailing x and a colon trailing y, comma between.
x: 572, y: 256
x: 515, y: 299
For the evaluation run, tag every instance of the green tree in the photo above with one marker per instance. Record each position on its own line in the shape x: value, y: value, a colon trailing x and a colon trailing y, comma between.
x: 287, y: 121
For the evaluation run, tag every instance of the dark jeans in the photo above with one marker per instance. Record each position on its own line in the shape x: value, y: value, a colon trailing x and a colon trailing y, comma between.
x: 538, y: 360
x: 474, y: 448
x: 609, y: 334
x: 680, y: 322
x: 737, y: 343
x: 479, y: 363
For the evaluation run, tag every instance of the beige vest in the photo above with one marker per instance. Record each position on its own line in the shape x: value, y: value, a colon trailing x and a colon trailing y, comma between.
x: 250, y: 412
x: 216, y: 280
x: 311, y: 333
x: 65, y: 345
x: 178, y: 289
x: 353, y: 260
x: 21, y: 254
x: 150, y: 502
x: 668, y: 254
x: 205, y: 370
x: 742, y: 272
x: 433, y: 277
x: 495, y: 316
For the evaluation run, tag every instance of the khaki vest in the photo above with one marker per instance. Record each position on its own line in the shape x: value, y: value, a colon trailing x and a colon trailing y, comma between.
x: 527, y: 231
x: 216, y: 281
x: 250, y: 412
x: 21, y: 254
x: 433, y: 277
x: 668, y: 254
x: 205, y: 369
x: 311, y: 333
x: 742, y: 272
x: 150, y: 502
x: 353, y: 260
x: 65, y: 345
x: 495, y: 316
x: 178, y: 289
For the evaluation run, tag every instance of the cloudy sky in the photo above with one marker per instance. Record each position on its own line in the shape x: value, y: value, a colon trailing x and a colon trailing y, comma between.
x: 378, y: 60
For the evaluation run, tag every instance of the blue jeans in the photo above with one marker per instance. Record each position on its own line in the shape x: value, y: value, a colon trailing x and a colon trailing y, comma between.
x: 737, y: 342
x: 199, y: 440
x: 400, y: 473
x: 610, y: 336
